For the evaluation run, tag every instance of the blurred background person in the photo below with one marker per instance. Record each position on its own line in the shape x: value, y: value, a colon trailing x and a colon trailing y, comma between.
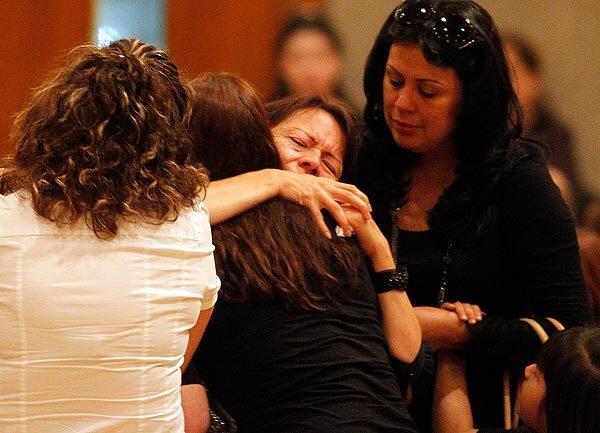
x: 542, y: 124
x: 539, y: 121
x: 589, y: 244
x: 309, y: 58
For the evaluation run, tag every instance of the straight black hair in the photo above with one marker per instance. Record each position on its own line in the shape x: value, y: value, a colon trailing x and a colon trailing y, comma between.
x: 490, y: 118
x: 570, y: 362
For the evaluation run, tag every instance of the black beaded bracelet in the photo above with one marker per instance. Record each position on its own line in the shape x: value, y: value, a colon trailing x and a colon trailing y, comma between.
x: 390, y: 279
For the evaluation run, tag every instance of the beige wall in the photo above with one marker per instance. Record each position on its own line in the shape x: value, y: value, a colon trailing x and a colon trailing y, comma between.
x: 566, y: 31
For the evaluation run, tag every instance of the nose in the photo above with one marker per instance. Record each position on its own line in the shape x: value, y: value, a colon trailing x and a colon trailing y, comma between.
x: 405, y: 100
x: 310, y: 161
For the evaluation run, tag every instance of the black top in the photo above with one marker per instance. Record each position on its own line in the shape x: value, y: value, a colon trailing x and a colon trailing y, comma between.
x: 283, y: 370
x: 525, y: 265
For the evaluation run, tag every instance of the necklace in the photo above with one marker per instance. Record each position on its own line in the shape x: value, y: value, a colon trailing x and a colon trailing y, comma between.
x: 446, y: 260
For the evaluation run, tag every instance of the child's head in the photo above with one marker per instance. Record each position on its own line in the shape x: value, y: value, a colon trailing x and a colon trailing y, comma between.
x: 561, y: 393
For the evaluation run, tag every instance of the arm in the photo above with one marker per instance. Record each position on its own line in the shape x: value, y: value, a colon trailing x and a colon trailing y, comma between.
x: 451, y: 407
x: 400, y: 325
x: 227, y: 198
x: 442, y: 329
x: 196, y: 411
x: 196, y: 335
x: 541, y: 241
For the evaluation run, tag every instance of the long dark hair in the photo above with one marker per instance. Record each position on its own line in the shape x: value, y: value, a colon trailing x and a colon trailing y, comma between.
x: 228, y: 109
x: 489, y: 120
x: 570, y: 362
x: 273, y: 251
x: 106, y: 139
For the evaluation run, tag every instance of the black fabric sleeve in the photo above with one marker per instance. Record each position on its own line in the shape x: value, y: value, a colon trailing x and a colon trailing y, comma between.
x: 540, y: 234
x: 191, y: 376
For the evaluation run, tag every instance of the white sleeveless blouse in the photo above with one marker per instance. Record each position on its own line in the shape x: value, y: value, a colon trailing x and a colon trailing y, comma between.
x: 92, y: 332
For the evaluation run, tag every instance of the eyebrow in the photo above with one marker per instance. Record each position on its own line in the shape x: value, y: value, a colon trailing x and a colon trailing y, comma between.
x: 420, y: 80
x: 314, y: 142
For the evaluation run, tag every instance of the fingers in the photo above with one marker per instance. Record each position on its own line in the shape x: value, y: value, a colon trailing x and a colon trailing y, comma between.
x: 348, y: 198
x: 363, y: 198
x: 349, y: 194
x: 470, y: 313
x: 460, y: 311
x: 448, y: 306
x: 318, y: 217
x: 337, y: 213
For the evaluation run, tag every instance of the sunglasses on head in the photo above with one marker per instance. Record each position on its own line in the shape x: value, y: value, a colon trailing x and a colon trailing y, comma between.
x: 454, y: 30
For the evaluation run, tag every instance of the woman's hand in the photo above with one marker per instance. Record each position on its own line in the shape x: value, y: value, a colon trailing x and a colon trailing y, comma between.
x: 470, y: 313
x: 371, y: 239
x: 316, y: 193
x: 227, y: 198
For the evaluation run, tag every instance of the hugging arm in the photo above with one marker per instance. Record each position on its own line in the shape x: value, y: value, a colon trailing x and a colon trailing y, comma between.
x: 227, y: 198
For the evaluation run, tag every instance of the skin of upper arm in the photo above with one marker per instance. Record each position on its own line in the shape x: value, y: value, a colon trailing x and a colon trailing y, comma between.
x: 196, y: 335
x: 451, y: 406
x: 227, y: 198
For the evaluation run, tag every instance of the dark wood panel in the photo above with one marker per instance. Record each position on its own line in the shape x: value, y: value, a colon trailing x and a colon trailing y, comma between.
x: 202, y: 35
x: 36, y: 36
x: 228, y: 35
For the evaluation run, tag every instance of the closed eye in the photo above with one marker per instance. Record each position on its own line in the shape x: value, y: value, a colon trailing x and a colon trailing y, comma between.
x: 298, y: 142
x: 396, y: 84
x: 426, y: 94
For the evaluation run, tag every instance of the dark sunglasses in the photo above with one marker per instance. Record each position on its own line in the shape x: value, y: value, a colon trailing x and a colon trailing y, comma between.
x: 454, y: 30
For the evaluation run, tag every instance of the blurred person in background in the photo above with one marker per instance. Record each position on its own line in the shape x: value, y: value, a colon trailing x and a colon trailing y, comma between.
x: 541, y: 124
x: 309, y: 58
x: 107, y: 277
x: 589, y: 244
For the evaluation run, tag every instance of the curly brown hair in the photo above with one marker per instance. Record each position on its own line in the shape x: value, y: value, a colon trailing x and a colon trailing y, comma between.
x: 107, y: 139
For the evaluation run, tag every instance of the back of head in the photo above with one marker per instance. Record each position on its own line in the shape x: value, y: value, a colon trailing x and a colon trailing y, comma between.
x: 274, y: 251
x: 106, y: 139
x: 570, y: 362
x: 525, y: 49
x: 229, y: 127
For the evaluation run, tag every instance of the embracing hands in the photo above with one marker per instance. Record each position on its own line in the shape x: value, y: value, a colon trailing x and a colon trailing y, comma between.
x: 372, y: 241
x: 316, y: 193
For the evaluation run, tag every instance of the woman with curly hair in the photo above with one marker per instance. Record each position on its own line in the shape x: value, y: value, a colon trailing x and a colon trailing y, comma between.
x: 107, y: 278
